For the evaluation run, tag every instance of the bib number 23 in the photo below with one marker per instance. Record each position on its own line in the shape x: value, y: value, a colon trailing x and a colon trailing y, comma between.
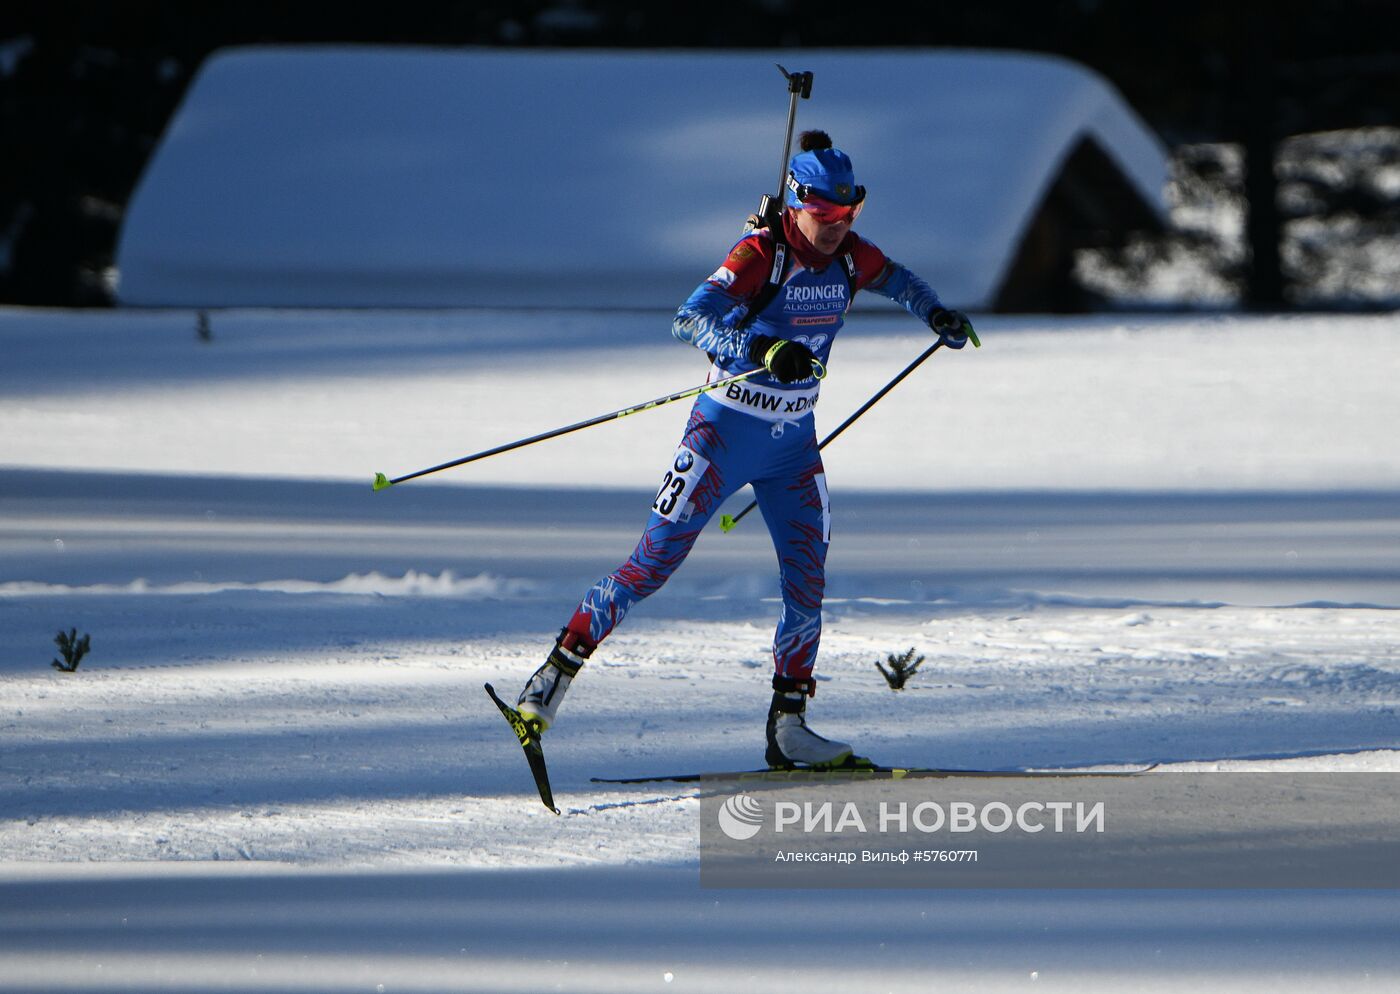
x: 673, y: 500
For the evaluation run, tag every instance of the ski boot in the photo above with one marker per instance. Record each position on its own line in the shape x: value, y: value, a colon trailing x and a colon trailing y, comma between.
x: 791, y: 744
x: 539, y: 701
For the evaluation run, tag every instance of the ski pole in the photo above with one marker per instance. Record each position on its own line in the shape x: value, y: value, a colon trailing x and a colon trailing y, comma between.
x: 727, y: 523
x: 382, y: 482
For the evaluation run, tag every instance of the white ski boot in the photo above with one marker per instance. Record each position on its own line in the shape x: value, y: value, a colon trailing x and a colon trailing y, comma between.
x: 791, y: 744
x: 539, y: 701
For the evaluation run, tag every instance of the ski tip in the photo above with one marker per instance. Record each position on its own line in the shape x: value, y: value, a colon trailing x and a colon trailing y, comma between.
x: 381, y: 482
x: 727, y: 523
x: 972, y: 334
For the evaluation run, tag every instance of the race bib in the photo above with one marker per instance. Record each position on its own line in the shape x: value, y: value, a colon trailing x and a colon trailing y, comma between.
x: 673, y: 500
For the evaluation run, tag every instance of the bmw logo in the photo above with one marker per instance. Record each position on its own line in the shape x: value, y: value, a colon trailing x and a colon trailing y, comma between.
x: 684, y: 461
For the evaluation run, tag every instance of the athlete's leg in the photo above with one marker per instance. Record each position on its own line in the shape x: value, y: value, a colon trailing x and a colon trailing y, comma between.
x: 694, y: 485
x: 798, y: 514
x: 795, y: 507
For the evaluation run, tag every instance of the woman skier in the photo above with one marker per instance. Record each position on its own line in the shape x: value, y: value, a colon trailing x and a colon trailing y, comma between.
x: 775, y: 305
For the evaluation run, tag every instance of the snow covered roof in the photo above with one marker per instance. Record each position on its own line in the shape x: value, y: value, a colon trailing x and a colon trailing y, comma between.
x: 424, y: 177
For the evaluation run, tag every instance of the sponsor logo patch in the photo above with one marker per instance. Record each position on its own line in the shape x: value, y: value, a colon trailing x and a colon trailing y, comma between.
x: 762, y: 400
x: 723, y: 276
x: 828, y: 291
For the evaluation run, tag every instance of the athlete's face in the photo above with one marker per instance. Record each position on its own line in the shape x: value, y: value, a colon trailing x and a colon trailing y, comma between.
x: 825, y: 238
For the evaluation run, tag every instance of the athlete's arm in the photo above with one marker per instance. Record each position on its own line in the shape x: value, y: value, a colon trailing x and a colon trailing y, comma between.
x: 880, y: 274
x: 708, y: 317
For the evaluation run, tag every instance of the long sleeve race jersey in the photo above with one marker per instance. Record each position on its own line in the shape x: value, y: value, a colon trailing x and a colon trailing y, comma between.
x: 810, y: 307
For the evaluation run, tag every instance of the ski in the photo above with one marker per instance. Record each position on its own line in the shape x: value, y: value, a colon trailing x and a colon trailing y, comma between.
x: 529, y: 738
x: 841, y: 773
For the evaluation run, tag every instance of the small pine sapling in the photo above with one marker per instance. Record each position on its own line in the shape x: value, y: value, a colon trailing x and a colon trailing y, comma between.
x: 72, y: 648
x: 901, y: 669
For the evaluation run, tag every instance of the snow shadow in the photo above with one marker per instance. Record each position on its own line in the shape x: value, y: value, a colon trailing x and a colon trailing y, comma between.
x: 152, y: 771
x: 652, y: 929
x: 75, y: 529
x: 76, y: 353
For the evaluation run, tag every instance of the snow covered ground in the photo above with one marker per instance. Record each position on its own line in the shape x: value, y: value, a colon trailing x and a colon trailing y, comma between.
x: 1117, y: 540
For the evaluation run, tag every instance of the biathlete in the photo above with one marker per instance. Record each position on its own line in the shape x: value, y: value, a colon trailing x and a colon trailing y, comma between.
x: 775, y: 305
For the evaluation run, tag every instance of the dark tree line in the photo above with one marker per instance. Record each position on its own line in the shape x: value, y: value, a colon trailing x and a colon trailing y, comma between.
x: 87, y: 87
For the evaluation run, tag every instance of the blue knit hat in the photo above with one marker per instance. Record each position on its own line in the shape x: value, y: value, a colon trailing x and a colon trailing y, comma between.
x: 824, y: 170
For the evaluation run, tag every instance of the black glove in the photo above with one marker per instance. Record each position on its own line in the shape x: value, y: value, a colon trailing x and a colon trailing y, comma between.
x: 788, y: 361
x: 952, y: 327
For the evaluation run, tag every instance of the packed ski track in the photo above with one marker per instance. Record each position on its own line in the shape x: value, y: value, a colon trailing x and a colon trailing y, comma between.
x: 1116, y: 541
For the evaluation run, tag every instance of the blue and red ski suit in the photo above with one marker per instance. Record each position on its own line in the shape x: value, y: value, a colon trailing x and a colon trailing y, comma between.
x: 758, y: 432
